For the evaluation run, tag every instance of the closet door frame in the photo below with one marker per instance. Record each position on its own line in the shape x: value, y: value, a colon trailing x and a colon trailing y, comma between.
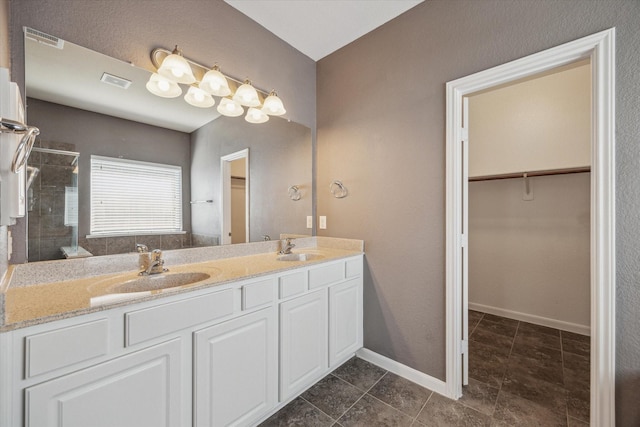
x: 600, y: 49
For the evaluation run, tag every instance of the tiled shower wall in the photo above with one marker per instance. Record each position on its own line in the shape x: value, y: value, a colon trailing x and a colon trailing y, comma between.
x: 124, y: 244
x: 46, y: 202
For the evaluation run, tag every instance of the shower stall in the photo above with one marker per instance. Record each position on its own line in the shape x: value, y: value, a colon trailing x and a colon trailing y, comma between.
x: 52, y: 204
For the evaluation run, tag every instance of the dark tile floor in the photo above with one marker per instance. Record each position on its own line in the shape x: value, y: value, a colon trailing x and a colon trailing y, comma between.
x: 520, y: 374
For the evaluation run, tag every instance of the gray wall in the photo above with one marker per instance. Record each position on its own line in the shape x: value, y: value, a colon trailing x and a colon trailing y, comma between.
x: 102, y: 135
x: 381, y: 129
x: 279, y: 156
x: 209, y: 32
x: 5, y: 59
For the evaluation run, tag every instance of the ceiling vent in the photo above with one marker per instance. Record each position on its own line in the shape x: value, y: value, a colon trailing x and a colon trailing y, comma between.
x: 115, y: 80
x: 44, y: 38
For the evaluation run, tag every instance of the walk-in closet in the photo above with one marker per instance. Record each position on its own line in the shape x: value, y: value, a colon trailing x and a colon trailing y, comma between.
x: 529, y: 209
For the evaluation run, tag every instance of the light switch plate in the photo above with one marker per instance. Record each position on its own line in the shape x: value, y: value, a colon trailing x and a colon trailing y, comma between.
x: 309, y: 221
x: 323, y: 222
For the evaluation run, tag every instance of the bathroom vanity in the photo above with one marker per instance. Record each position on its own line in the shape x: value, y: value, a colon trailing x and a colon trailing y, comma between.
x: 229, y: 350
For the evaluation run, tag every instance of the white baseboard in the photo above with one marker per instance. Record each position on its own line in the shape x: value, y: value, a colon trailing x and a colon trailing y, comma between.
x: 404, y: 371
x: 531, y: 318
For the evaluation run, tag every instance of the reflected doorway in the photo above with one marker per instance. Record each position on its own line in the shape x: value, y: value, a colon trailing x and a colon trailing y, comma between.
x: 235, y: 197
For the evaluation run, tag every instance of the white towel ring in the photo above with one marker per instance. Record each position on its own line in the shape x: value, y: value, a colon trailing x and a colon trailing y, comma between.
x: 338, y: 189
x: 294, y: 193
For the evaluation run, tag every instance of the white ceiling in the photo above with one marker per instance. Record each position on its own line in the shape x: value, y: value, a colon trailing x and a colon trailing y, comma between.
x: 320, y: 27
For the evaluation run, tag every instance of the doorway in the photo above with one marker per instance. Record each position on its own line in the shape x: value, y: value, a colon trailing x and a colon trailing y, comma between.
x: 235, y: 197
x: 600, y: 49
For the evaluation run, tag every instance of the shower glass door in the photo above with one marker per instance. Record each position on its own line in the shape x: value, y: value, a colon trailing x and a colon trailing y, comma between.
x: 52, y: 204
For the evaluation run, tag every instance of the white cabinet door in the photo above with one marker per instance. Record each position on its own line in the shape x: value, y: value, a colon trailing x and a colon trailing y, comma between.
x: 138, y: 390
x: 345, y: 320
x: 303, y: 342
x: 236, y: 370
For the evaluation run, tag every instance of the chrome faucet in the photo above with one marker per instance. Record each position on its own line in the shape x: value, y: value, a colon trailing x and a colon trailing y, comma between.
x: 150, y: 263
x: 285, y: 248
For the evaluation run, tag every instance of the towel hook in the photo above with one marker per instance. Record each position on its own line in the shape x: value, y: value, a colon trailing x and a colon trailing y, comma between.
x: 294, y: 193
x: 338, y: 189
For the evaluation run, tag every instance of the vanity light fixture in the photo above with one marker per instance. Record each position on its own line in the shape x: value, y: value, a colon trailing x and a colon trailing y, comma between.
x: 256, y: 116
x: 174, y: 69
x: 199, y: 98
x: 247, y: 95
x: 273, y: 105
x: 215, y: 83
x: 162, y: 86
x: 230, y: 108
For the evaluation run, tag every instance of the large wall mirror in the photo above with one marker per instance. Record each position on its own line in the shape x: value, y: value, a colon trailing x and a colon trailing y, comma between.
x: 74, y: 96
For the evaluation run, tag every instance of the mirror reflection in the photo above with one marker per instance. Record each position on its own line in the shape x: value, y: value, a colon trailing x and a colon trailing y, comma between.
x: 84, y: 116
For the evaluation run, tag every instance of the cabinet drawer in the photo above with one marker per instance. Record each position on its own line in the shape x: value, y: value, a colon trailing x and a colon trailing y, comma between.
x: 325, y: 275
x: 353, y: 268
x: 257, y: 294
x: 293, y: 284
x: 143, y: 325
x: 64, y: 347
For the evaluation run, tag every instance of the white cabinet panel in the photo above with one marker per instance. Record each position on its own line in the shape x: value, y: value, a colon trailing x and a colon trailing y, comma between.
x: 303, y: 342
x: 58, y: 348
x: 293, y: 284
x: 326, y: 274
x: 353, y: 268
x: 256, y: 294
x: 138, y: 390
x: 235, y: 370
x: 154, y: 322
x: 345, y: 320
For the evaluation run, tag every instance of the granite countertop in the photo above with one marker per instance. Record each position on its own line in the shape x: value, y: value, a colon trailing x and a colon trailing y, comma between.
x: 27, y: 302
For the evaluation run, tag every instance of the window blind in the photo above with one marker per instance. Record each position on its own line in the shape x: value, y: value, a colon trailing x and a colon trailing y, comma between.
x: 133, y: 197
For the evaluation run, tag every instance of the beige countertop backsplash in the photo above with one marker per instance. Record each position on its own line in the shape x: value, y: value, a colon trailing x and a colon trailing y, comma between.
x: 51, y: 290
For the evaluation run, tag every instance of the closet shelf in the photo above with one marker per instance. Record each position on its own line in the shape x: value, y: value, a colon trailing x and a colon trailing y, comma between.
x: 531, y: 174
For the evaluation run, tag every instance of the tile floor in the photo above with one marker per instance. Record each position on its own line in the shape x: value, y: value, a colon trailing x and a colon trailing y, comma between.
x: 520, y: 375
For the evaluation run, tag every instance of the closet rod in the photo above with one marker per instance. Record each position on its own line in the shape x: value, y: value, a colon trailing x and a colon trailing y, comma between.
x: 531, y: 174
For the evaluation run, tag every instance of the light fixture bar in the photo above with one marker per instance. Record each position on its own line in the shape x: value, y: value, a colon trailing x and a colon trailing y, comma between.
x: 159, y: 54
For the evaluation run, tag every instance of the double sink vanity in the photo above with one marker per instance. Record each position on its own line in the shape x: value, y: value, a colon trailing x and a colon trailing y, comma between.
x: 227, y: 336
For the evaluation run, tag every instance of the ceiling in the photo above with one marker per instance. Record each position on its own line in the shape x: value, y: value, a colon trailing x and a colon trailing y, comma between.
x: 320, y: 27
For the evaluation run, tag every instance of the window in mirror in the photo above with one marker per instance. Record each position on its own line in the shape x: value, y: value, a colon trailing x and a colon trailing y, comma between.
x: 134, y: 197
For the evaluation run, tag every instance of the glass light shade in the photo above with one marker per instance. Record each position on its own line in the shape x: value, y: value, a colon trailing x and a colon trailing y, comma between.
x: 256, y: 116
x: 230, y: 108
x: 273, y: 105
x: 199, y: 98
x: 247, y: 95
x: 215, y: 83
x: 161, y: 86
x: 176, y: 68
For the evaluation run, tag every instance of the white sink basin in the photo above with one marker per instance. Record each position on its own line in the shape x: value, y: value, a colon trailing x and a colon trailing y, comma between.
x: 299, y: 257
x: 157, y: 282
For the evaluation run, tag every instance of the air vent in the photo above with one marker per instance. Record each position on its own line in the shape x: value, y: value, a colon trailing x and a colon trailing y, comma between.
x: 44, y: 38
x: 115, y: 80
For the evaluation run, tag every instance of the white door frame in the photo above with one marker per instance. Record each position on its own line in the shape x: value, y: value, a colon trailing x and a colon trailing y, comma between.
x: 600, y: 48
x: 225, y: 206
